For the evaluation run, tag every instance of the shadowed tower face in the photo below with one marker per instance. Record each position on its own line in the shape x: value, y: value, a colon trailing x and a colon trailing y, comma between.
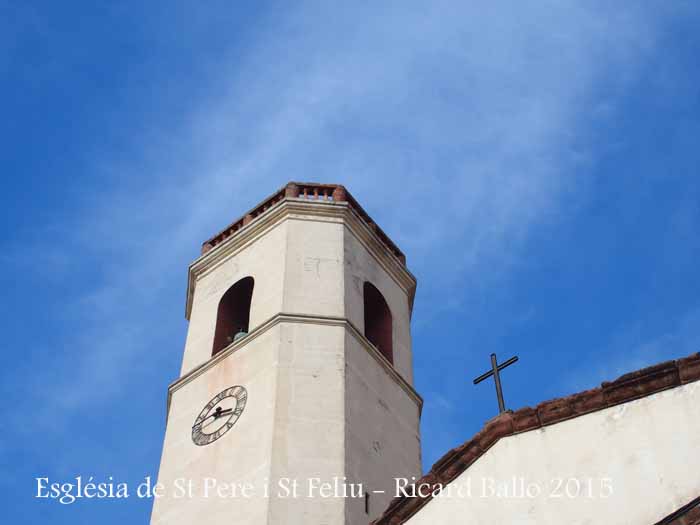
x: 297, y: 370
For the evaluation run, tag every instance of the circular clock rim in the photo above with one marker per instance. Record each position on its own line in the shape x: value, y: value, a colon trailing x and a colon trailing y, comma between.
x: 240, y: 394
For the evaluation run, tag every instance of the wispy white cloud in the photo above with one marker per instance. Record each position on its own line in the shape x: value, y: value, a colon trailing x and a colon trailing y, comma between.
x: 460, y: 126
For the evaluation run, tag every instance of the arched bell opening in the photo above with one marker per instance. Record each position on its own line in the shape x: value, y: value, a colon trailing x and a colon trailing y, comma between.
x: 233, y: 315
x: 378, y: 328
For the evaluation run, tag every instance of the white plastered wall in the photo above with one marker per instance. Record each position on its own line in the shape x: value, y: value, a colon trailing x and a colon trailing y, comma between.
x: 641, y: 457
x: 382, y: 438
x: 241, y: 455
x: 313, y: 280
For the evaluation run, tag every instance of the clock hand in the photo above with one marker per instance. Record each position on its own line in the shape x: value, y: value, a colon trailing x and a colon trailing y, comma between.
x: 216, y: 415
x: 221, y: 413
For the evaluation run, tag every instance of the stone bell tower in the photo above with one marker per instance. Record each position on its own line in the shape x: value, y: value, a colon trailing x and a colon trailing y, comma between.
x: 297, y: 370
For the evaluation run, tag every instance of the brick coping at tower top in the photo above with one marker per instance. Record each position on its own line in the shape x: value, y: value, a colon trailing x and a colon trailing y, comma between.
x: 304, y: 190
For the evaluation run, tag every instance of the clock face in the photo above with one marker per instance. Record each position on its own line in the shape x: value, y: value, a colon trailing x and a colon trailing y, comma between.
x: 219, y: 415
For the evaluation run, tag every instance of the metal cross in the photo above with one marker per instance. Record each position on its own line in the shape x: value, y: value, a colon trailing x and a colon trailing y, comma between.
x: 495, y: 369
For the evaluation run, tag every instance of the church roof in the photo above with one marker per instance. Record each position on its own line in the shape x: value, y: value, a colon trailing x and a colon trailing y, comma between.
x: 626, y: 388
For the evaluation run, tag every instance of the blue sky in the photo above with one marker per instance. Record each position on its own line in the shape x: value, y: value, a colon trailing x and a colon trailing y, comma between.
x: 537, y: 163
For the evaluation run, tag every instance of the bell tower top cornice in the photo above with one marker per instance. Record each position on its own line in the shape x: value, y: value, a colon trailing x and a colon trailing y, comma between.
x: 307, y: 198
x: 303, y: 190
